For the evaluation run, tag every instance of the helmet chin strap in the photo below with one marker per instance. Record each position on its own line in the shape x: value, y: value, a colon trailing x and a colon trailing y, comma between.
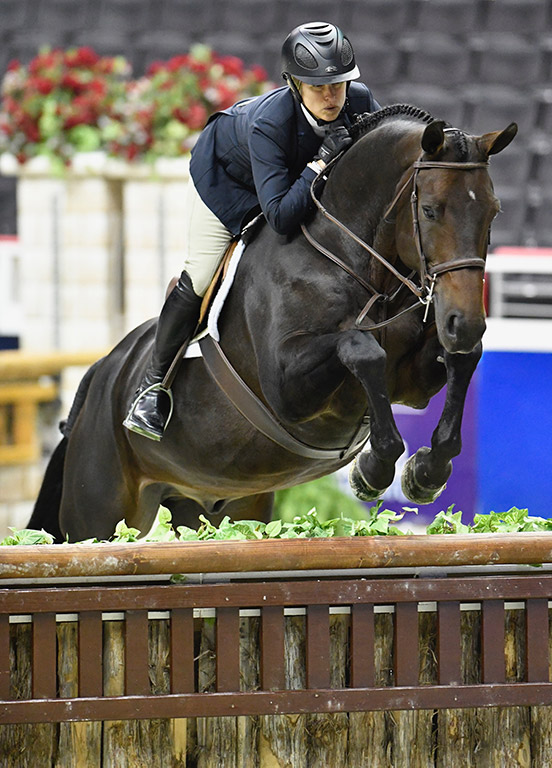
x: 297, y: 94
x: 317, y: 125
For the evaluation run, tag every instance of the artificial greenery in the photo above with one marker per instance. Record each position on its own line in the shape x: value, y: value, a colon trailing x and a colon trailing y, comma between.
x: 377, y: 522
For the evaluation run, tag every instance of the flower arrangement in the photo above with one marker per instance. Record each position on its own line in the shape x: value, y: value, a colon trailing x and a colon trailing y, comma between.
x: 165, y: 109
x: 72, y: 101
x: 55, y: 105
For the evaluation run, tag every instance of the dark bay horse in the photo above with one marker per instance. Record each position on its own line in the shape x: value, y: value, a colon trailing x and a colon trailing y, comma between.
x: 378, y: 300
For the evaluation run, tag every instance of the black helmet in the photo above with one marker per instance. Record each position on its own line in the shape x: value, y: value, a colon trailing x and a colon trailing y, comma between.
x: 318, y: 53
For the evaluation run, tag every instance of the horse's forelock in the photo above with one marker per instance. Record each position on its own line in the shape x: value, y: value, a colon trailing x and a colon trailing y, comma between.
x: 459, y: 143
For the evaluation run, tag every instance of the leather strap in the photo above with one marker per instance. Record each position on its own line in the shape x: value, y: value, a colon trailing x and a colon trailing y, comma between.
x: 257, y: 413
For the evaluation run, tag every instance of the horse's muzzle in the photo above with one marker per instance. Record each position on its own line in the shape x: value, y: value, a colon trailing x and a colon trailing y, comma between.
x: 459, y: 333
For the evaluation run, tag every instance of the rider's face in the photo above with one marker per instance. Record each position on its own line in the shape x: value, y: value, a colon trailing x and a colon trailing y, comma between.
x: 324, y: 101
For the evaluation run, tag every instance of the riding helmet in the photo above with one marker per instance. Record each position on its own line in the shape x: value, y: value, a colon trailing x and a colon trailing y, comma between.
x: 318, y: 53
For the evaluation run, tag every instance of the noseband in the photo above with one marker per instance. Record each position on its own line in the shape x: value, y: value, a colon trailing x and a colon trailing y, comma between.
x: 428, y: 275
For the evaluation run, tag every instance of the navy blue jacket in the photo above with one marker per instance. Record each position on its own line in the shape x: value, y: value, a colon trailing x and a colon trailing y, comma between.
x: 253, y: 157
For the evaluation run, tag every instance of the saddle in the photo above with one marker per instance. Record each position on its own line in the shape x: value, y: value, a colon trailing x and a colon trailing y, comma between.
x: 246, y: 236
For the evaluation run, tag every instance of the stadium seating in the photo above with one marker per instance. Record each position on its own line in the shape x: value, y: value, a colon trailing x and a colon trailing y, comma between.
x: 378, y: 61
x: 123, y: 15
x: 505, y: 58
x: 524, y: 17
x: 492, y: 107
x: 443, y: 103
x: 13, y: 15
x: 193, y: 17
x: 447, y: 16
x: 378, y: 17
x: 436, y: 59
x: 509, y: 227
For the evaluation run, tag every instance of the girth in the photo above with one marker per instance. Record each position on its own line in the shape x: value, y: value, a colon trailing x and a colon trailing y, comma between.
x: 261, y: 417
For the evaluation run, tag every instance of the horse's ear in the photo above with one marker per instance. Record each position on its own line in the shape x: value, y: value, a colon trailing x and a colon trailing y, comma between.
x: 492, y: 143
x: 434, y: 137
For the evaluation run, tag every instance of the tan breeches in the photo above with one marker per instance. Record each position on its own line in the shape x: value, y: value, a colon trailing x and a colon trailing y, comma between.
x: 206, y: 238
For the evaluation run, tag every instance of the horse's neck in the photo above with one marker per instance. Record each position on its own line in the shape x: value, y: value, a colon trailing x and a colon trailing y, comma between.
x: 363, y: 184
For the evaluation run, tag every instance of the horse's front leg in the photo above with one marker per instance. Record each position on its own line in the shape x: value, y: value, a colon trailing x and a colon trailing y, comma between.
x: 373, y: 469
x: 425, y: 474
x: 311, y: 373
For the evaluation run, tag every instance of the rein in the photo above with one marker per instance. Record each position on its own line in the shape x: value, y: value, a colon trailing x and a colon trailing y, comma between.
x: 428, y: 275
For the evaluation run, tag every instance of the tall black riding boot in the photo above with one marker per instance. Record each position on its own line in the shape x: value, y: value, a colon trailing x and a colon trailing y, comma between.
x: 152, y: 405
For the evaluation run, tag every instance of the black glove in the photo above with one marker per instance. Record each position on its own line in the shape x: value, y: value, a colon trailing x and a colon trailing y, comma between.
x: 334, y: 143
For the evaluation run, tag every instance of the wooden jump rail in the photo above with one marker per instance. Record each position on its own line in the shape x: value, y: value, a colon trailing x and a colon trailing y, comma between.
x: 22, y: 388
x: 331, y: 554
x: 356, y: 594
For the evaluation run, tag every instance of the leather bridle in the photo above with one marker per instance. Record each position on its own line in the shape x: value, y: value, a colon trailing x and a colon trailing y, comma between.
x: 428, y: 275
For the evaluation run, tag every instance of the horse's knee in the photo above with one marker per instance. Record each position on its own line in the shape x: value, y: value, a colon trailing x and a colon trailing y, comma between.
x: 361, y: 352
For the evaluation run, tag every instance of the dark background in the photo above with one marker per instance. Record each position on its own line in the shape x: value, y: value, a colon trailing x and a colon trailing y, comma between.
x: 477, y: 63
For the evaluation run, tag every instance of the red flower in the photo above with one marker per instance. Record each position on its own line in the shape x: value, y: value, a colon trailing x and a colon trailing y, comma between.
x: 81, y: 57
x: 197, y: 66
x: 105, y: 65
x: 155, y: 67
x: 177, y: 62
x: 132, y: 151
x: 225, y: 96
x: 231, y: 65
x: 259, y: 73
x: 14, y: 65
x: 43, y: 61
x: 42, y: 84
x: 97, y: 87
x: 72, y: 82
x: 197, y: 117
x: 30, y: 129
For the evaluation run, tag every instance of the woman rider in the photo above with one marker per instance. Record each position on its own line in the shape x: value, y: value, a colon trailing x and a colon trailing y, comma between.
x: 261, y: 154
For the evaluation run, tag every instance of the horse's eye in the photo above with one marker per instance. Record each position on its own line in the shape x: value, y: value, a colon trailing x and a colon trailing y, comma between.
x: 429, y: 212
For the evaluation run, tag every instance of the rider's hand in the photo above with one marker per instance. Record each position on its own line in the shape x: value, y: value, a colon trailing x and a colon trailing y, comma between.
x: 334, y: 143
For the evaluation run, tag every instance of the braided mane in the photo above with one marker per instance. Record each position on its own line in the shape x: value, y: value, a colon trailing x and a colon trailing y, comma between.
x: 367, y: 121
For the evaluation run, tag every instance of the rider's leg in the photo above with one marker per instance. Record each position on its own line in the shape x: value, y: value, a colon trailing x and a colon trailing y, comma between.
x: 177, y: 322
x: 207, y: 241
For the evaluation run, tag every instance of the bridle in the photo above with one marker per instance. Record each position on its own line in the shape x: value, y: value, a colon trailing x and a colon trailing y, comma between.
x: 428, y: 275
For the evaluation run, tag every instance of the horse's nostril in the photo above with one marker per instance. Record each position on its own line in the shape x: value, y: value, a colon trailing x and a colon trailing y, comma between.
x: 452, y: 325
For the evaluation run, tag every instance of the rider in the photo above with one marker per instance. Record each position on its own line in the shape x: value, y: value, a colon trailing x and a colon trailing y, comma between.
x: 261, y: 154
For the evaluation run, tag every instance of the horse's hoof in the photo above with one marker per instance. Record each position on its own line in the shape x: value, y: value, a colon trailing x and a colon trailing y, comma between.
x: 361, y: 487
x: 411, y: 487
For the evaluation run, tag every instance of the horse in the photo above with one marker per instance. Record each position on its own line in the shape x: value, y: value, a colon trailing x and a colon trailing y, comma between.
x: 377, y: 299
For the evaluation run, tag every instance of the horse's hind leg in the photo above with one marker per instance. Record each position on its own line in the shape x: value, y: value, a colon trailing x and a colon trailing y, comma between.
x: 46, y: 509
x: 97, y: 492
x: 374, y: 469
x: 425, y: 474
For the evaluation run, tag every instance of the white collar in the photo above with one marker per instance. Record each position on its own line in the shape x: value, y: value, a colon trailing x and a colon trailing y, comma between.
x: 320, y: 130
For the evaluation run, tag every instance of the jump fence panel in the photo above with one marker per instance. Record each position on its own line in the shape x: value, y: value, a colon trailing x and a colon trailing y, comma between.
x: 355, y: 669
x: 358, y: 600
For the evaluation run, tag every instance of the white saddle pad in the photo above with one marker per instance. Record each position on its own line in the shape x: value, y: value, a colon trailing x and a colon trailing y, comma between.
x: 217, y: 303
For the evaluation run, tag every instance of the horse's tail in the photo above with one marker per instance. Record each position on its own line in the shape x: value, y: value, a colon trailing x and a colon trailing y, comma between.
x: 46, y: 509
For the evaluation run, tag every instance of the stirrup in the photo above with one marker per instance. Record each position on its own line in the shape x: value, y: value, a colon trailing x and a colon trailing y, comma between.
x: 158, y: 385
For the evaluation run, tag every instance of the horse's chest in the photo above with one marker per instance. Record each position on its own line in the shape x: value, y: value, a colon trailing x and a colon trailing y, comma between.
x: 415, y: 370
